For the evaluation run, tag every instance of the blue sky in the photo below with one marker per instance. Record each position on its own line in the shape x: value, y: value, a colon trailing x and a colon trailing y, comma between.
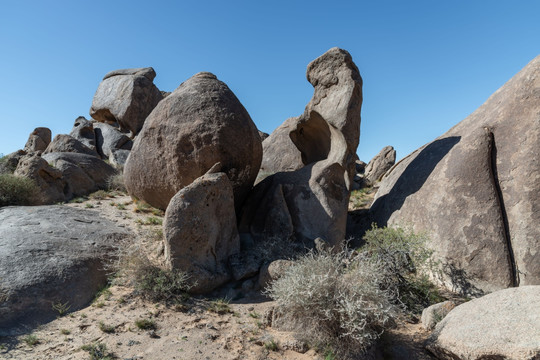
x: 426, y: 65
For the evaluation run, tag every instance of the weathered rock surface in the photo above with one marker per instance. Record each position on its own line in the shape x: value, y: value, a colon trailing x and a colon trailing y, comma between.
x: 109, y: 140
x: 10, y: 161
x: 311, y: 201
x: 199, y: 124
x: 379, y: 165
x: 67, y: 143
x: 81, y: 173
x: 83, y: 130
x: 279, y: 152
x: 501, y: 325
x: 126, y: 97
x: 301, y: 205
x: 48, y: 179
x: 38, y: 140
x: 475, y: 193
x: 433, y: 314
x: 50, y: 255
x: 200, y: 231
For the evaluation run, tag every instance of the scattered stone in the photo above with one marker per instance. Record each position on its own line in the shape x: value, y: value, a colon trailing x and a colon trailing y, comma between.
x: 501, y: 325
x: 50, y: 256
x: 126, y: 97
x: 200, y: 231
x: 200, y: 124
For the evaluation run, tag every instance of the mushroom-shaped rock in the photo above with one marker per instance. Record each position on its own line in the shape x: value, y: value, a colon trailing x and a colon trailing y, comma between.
x: 126, y: 97
x: 200, y: 231
x: 198, y: 125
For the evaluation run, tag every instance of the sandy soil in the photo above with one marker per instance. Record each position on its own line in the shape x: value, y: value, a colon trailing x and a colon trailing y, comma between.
x: 193, y: 332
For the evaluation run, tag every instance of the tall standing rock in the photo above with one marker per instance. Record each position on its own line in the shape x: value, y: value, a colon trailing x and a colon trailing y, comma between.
x: 126, y: 97
x: 198, y: 125
x: 312, y: 201
x: 200, y: 231
x: 474, y: 190
x: 329, y: 128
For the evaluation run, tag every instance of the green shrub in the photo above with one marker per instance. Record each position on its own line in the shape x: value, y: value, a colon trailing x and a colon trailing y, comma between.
x: 31, y: 340
x: 404, y: 260
x: 334, y: 299
x: 98, y: 351
x: 15, y: 190
x: 146, y: 324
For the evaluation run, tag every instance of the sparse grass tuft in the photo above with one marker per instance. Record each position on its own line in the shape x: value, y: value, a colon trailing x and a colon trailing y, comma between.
x: 109, y: 329
x: 16, y: 190
x: 61, y: 309
x: 150, y: 220
x: 116, y: 183
x: 143, y: 207
x: 145, y: 324
x: 219, y: 306
x: 360, y: 198
x: 65, y: 332
x: 271, y: 345
x: 78, y: 200
x: 98, y: 351
x: 88, y: 206
x: 99, y: 195
x: 31, y: 340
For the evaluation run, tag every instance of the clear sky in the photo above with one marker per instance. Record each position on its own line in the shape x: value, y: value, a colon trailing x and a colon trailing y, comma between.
x: 426, y: 64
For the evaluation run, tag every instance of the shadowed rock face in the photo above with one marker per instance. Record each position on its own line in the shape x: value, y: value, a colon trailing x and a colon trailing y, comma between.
x: 38, y: 140
x: 475, y: 191
x: 315, y: 155
x: 198, y: 125
x: 50, y: 255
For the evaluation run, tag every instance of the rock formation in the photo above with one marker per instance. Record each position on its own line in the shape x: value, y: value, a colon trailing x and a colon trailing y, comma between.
x: 474, y: 190
x: 126, y: 97
x: 312, y: 201
x: 50, y: 255
x: 38, y: 140
x: 67, y: 143
x: 379, y: 165
x: 198, y: 125
x: 200, y: 231
x: 501, y: 325
x: 110, y: 143
x: 83, y: 130
x: 48, y: 179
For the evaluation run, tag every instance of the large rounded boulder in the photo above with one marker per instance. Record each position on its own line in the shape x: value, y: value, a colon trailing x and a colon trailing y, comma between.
x: 198, y: 125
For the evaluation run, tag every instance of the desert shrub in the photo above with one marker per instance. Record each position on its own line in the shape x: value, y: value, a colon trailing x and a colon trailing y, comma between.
x: 146, y: 324
x: 116, y: 183
x: 151, y: 281
x: 98, y: 351
x: 16, y: 190
x: 404, y: 260
x: 337, y: 297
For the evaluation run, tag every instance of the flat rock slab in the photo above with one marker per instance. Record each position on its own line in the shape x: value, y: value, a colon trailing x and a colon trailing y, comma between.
x: 502, y: 325
x: 50, y: 255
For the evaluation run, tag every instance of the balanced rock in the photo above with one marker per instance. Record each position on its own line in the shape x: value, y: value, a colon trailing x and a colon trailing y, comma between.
x: 50, y: 255
x: 379, y: 165
x: 200, y: 231
x: 38, y: 140
x: 47, y: 178
x: 200, y: 124
x: 67, y: 143
x: 81, y: 173
x: 311, y: 201
x: 474, y: 194
x: 501, y: 325
x: 126, y: 97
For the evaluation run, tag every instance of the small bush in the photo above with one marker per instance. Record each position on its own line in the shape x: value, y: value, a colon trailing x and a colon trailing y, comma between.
x: 337, y: 296
x: 116, y: 183
x: 31, y: 340
x: 109, y: 329
x: 145, y: 324
x: 16, y: 190
x: 61, y: 309
x: 404, y: 259
x: 219, y: 306
x: 98, y: 351
x: 99, y: 195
